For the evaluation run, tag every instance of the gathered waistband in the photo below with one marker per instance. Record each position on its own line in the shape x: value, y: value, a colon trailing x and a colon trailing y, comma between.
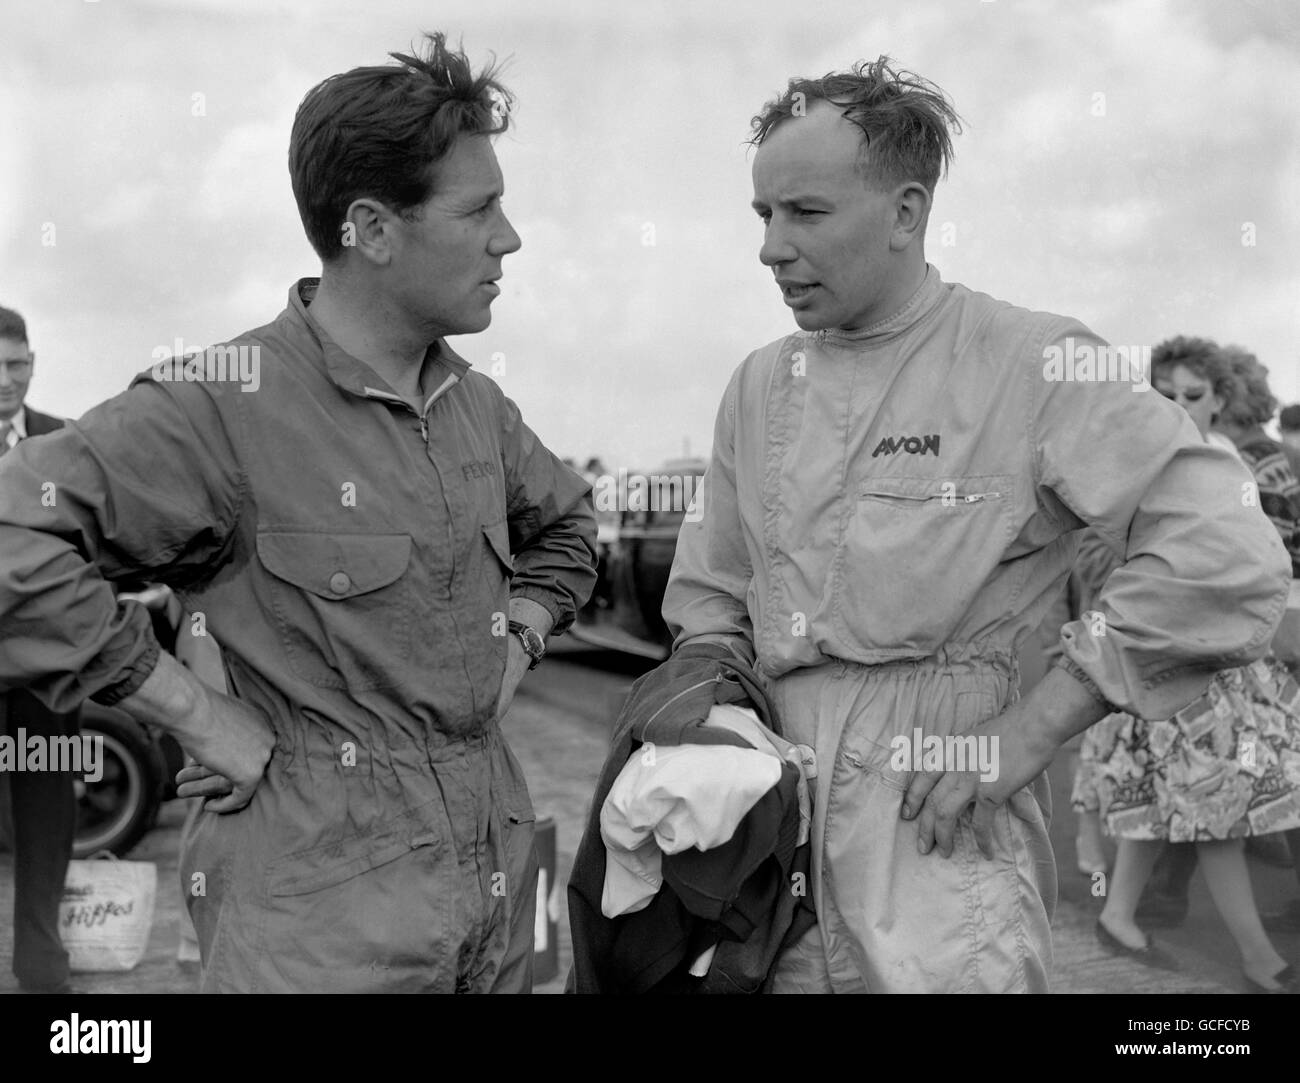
x: 951, y: 657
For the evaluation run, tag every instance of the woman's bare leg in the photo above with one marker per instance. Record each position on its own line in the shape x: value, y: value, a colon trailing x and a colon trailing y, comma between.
x: 1224, y: 864
x: 1134, y: 860
x: 1090, y: 850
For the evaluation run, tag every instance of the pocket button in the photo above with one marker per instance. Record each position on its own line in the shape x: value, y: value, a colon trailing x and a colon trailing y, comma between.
x: 340, y: 583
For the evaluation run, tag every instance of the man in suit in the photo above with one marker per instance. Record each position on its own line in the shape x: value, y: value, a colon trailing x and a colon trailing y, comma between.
x: 44, y: 803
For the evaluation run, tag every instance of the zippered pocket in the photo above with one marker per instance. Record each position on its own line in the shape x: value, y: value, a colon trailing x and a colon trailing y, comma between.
x: 914, y: 557
x: 953, y: 497
x: 715, y: 679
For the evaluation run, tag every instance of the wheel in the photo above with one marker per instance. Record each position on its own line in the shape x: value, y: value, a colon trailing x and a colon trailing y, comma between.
x: 117, y: 809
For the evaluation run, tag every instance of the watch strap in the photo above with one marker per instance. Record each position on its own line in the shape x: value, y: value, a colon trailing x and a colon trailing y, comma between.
x: 531, y: 640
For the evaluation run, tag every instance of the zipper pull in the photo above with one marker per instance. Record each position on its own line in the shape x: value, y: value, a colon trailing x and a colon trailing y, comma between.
x: 424, y: 428
x: 979, y: 496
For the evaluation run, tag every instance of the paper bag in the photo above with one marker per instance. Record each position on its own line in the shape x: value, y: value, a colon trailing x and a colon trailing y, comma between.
x: 106, y: 912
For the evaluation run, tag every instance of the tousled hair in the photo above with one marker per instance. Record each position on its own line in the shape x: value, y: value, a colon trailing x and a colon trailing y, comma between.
x: 1202, y: 357
x: 1253, y: 403
x: 381, y: 132
x: 907, y: 122
x: 1234, y: 373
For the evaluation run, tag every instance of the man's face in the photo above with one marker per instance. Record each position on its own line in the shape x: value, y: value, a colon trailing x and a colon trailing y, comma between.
x: 1193, y: 393
x: 15, y: 375
x: 444, y: 262
x: 827, y: 236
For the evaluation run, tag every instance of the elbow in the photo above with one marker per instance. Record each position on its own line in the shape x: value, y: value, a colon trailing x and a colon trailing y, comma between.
x: 1273, y: 592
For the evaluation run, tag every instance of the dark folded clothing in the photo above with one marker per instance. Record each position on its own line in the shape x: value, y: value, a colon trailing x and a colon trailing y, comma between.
x: 749, y: 896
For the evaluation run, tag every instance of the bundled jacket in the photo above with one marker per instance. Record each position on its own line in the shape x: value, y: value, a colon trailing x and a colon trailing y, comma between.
x: 749, y: 896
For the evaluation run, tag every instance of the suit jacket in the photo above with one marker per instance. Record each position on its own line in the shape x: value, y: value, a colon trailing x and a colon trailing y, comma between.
x: 22, y: 707
x: 39, y: 424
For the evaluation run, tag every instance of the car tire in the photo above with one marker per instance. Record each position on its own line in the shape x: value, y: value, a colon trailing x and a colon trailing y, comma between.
x: 114, y: 812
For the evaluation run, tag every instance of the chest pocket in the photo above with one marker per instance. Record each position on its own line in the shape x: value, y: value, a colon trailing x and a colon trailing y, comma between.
x: 345, y: 616
x: 915, y: 553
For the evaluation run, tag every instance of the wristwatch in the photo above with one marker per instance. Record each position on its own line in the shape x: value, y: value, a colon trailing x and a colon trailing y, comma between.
x: 533, y: 643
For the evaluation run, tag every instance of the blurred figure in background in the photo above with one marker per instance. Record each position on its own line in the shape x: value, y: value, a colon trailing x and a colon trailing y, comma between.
x: 608, y: 520
x: 44, y: 802
x: 1288, y: 423
x: 1201, y: 384
x: 1243, y: 420
x: 1214, y: 773
x: 1092, y: 567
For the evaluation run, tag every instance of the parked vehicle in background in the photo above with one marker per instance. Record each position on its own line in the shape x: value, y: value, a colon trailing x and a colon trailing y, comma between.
x: 637, y: 542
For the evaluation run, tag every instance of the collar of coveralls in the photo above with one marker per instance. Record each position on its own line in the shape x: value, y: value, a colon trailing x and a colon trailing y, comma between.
x: 347, y: 371
x: 927, y: 296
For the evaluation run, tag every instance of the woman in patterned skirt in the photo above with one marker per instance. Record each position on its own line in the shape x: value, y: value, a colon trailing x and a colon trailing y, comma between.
x: 1224, y: 768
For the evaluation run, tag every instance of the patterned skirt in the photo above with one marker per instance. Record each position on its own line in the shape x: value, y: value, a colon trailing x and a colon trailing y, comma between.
x: 1226, y: 766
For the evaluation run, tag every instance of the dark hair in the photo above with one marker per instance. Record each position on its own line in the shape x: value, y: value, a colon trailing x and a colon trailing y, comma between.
x: 905, y: 120
x: 1202, y: 357
x: 1289, y: 419
x: 381, y: 131
x: 12, y: 325
x: 1253, y: 403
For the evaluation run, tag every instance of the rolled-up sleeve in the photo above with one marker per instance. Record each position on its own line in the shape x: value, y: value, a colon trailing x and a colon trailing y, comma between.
x: 144, y: 485
x: 705, y: 600
x: 1204, y: 579
x: 552, y: 524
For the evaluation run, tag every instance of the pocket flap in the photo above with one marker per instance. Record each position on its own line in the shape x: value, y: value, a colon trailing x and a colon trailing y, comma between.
x: 335, y: 566
x: 330, y: 865
x: 498, y: 536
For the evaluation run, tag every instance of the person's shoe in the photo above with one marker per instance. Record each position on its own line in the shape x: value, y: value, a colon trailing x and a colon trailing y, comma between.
x: 1270, y: 849
x: 1287, y: 978
x: 1286, y: 920
x: 1161, y: 911
x: 1149, y: 955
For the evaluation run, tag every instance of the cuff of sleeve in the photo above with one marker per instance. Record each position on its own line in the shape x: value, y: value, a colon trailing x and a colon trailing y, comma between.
x: 133, y: 676
x: 562, y: 616
x: 1077, y: 672
x: 709, y: 644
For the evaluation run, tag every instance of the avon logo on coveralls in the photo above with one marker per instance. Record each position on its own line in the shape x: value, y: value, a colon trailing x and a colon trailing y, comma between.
x: 913, y: 445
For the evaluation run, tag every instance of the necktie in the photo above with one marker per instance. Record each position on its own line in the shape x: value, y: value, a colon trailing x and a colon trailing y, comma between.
x: 5, y: 430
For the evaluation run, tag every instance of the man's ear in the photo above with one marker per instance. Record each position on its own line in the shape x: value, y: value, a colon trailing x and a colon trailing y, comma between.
x: 368, y: 228
x: 911, y: 209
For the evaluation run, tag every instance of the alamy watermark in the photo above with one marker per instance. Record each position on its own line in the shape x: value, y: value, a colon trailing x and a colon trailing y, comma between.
x: 216, y: 364
x: 1087, y: 363
x: 83, y: 754
x: 77, y: 1035
x: 627, y: 491
x: 955, y: 752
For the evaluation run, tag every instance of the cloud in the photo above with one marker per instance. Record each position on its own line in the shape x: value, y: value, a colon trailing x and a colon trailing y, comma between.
x: 1132, y: 218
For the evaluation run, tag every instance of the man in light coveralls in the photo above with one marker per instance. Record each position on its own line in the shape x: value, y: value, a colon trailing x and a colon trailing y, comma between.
x: 893, y: 503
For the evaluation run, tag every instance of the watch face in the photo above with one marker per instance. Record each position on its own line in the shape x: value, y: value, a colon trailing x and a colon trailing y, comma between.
x: 534, y: 645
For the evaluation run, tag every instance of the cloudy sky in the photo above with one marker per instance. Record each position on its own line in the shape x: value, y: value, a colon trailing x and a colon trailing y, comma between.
x: 1134, y: 164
